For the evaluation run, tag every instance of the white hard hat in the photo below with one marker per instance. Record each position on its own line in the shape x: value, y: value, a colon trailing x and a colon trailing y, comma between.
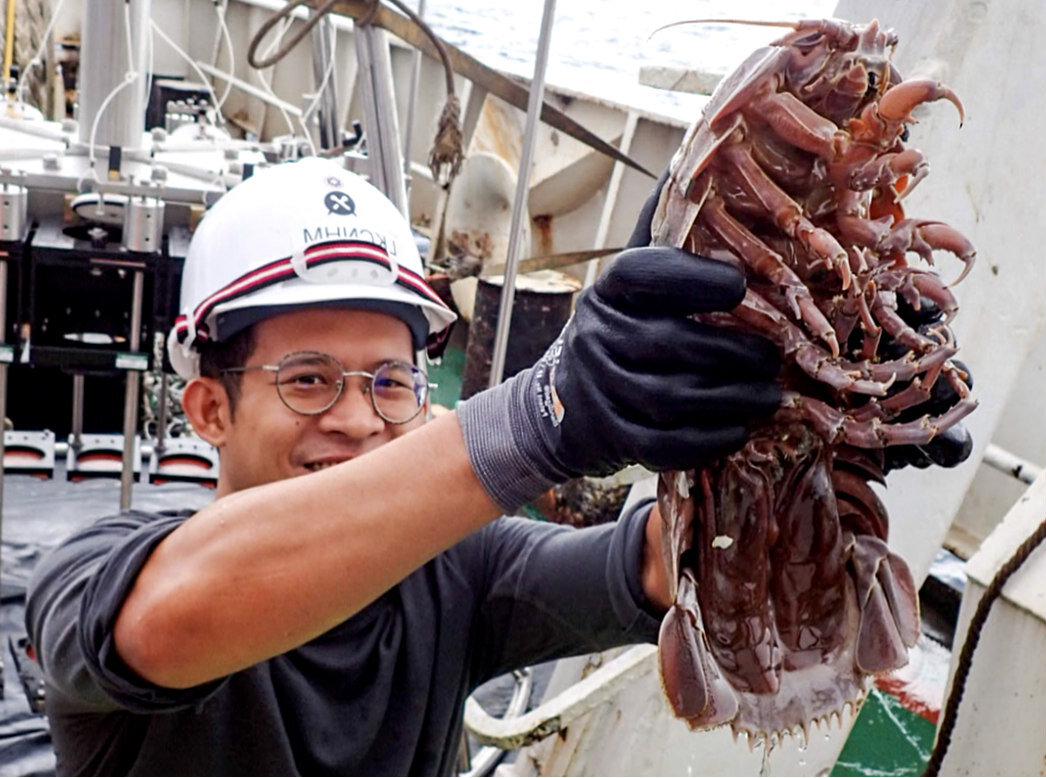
x: 301, y: 234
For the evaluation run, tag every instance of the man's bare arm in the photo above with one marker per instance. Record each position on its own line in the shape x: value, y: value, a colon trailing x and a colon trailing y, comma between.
x: 264, y: 570
x: 654, y: 574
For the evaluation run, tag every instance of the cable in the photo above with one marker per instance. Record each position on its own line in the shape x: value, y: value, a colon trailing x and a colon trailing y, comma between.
x: 150, y: 72
x: 308, y: 136
x: 224, y: 27
x: 129, y: 78
x: 19, y: 89
x: 268, y: 84
x: 326, y: 76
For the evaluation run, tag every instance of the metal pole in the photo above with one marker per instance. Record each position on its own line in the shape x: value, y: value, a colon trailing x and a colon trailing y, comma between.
x: 130, y: 407
x: 3, y: 388
x: 379, y: 113
x: 78, y: 412
x: 415, y: 78
x: 508, y: 291
x: 326, y: 91
x: 14, y: 213
x: 161, y: 417
x: 104, y: 62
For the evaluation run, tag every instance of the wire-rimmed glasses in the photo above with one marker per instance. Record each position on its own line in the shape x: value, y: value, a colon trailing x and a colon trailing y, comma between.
x: 310, y: 382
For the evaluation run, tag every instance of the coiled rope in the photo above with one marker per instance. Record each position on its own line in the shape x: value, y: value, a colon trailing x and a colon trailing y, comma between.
x: 28, y: 49
x: 962, y: 669
x: 447, y: 151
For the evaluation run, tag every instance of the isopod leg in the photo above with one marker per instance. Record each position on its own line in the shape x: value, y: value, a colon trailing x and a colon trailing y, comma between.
x: 923, y: 237
x: 886, y: 170
x: 841, y: 428
x: 786, y: 213
x: 797, y: 123
x: 899, y: 100
x: 768, y: 264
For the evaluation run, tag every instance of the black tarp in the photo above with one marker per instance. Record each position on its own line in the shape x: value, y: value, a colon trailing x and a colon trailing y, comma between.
x: 37, y: 514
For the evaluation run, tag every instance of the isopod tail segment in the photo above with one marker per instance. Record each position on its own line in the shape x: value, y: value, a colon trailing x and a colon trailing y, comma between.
x: 690, y: 679
x: 860, y: 509
x: 888, y: 601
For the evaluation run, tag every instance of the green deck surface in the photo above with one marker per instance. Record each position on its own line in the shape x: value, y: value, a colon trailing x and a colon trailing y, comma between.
x: 887, y: 739
x: 448, y: 375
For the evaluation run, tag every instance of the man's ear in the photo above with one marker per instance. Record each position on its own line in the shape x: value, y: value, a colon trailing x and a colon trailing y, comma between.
x: 207, y: 406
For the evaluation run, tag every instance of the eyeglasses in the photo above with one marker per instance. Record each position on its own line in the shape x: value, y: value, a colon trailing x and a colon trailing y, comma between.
x: 310, y: 382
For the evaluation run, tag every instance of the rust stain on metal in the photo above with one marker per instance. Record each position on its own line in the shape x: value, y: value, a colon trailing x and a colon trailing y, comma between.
x: 543, y: 234
x: 471, y: 243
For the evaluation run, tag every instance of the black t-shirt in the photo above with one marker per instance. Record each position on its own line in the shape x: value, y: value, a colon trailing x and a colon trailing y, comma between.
x: 380, y: 694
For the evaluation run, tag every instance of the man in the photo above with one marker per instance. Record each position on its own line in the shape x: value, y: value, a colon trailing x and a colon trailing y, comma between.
x: 351, y: 582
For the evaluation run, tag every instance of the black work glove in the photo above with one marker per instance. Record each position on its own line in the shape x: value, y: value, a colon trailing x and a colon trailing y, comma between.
x: 951, y: 447
x: 631, y: 379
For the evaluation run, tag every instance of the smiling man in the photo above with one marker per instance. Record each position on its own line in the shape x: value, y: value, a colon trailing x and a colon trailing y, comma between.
x: 352, y: 582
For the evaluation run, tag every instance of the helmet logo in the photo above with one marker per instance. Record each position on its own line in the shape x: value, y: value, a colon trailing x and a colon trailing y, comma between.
x: 339, y: 203
x: 334, y: 181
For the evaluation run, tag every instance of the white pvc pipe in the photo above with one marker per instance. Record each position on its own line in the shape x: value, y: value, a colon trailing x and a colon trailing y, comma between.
x: 1011, y: 464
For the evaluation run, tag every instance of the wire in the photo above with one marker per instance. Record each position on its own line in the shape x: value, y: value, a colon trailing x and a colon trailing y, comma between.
x: 308, y: 136
x: 326, y: 76
x: 129, y: 78
x: 222, y: 11
x: 151, y: 70
x: 285, y: 25
x: 19, y: 89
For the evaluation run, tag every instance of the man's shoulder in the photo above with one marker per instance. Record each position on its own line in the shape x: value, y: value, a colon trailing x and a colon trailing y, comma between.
x: 100, y: 537
x: 126, y: 522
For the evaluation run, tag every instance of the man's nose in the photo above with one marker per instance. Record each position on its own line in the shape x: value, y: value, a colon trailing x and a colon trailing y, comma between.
x: 353, y: 412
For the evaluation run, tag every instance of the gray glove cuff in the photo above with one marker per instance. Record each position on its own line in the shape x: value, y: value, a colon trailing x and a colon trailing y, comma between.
x: 505, y: 446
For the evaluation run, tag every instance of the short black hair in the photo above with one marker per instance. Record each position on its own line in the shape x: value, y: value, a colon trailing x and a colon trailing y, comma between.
x: 218, y: 357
